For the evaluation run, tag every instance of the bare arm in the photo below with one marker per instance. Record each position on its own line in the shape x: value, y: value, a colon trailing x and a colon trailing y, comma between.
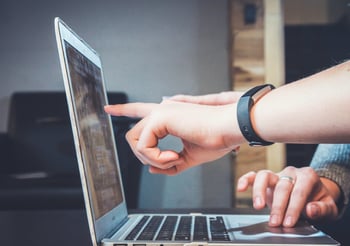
x: 313, y: 110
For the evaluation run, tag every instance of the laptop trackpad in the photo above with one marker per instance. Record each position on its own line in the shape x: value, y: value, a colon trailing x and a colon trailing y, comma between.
x: 246, y: 227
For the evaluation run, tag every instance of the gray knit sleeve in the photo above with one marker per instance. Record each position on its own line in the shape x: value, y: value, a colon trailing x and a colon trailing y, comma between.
x: 332, y: 161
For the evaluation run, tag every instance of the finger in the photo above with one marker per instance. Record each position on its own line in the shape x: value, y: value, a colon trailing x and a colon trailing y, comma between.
x: 146, y: 148
x: 280, y: 201
x: 146, y: 138
x: 245, y: 181
x: 170, y: 171
x: 156, y: 157
x: 305, y: 185
x: 263, y: 180
x: 132, y: 136
x: 136, y: 110
x: 325, y: 209
x: 149, y: 155
x: 269, y: 196
x: 174, y: 170
x: 147, y: 151
x: 162, y: 159
x: 209, y: 99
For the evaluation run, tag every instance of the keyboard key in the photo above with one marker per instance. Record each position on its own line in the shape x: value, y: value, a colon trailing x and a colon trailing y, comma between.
x: 151, y: 228
x: 134, y: 232
x: 183, y: 232
x: 167, y: 230
x: 218, y: 229
x: 151, y: 225
x: 200, y: 229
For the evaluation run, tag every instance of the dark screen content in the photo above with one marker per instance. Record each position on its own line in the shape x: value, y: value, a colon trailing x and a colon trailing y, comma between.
x: 95, y: 135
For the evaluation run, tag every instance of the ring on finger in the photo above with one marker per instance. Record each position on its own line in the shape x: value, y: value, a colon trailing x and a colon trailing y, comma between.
x: 287, y: 178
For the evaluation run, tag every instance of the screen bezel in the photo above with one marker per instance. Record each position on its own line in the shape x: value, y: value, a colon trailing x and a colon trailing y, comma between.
x: 105, y: 225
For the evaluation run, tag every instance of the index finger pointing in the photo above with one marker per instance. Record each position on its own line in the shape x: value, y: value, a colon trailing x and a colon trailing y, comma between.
x: 136, y: 110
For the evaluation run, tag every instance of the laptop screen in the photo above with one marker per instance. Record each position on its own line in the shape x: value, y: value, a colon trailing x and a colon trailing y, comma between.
x: 95, y: 136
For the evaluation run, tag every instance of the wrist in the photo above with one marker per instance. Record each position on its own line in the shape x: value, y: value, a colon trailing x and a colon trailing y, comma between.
x: 233, y: 133
x: 245, y: 114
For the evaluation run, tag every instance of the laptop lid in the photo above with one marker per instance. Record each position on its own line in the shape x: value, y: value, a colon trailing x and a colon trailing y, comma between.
x: 93, y: 133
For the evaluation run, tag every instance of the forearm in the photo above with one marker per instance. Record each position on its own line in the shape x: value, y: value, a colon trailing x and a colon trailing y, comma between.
x: 312, y: 110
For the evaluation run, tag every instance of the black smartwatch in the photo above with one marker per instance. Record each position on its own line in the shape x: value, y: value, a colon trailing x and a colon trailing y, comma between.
x: 244, y: 107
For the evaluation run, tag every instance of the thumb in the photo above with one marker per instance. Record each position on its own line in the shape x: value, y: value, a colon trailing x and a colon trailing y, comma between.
x: 325, y: 209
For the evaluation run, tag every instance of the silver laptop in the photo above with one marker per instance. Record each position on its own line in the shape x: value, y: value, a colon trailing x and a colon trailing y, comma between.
x: 108, y: 218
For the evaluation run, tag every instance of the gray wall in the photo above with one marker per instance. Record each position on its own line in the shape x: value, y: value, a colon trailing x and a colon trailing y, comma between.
x: 150, y: 49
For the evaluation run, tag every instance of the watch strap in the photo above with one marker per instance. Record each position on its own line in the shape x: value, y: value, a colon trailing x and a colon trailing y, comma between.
x: 244, y: 107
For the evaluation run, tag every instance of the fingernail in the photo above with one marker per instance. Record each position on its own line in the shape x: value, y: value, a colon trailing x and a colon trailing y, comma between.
x: 315, y: 210
x: 241, y: 184
x: 257, y: 202
x: 274, y: 219
x: 288, y: 221
x: 165, y: 98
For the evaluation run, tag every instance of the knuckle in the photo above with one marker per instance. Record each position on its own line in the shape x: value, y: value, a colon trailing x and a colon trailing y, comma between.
x: 308, y: 171
x: 309, y: 174
x: 128, y: 136
x: 252, y: 172
x: 289, y: 169
x: 249, y: 174
x: 138, y: 148
x: 263, y: 173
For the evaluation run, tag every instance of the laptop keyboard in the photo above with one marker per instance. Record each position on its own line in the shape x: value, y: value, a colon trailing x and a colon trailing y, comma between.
x: 168, y: 228
x: 183, y: 233
x: 151, y: 228
x: 179, y: 228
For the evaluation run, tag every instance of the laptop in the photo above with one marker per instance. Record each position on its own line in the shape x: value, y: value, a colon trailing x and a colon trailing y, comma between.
x: 109, y: 222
